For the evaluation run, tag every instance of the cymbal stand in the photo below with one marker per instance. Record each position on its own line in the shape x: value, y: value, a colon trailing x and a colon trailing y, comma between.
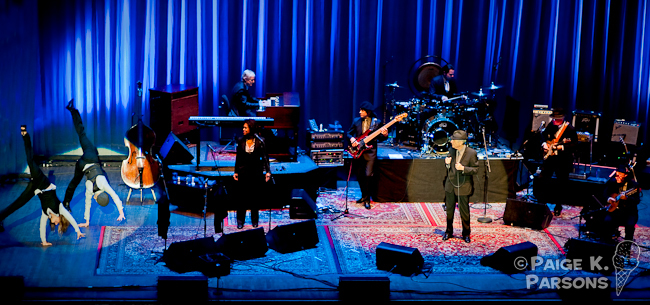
x: 346, y: 212
x: 389, y: 105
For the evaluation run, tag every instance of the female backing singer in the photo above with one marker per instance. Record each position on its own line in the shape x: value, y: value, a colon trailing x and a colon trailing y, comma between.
x: 252, y: 170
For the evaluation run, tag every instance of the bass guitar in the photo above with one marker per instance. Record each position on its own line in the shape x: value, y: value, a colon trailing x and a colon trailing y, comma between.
x: 357, y: 151
x: 613, y: 204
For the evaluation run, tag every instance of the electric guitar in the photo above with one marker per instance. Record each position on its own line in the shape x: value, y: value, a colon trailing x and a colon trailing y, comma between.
x: 613, y: 205
x: 357, y: 151
x: 552, y: 145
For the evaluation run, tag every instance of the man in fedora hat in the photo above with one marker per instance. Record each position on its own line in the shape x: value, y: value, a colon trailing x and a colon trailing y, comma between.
x: 558, y: 145
x: 366, y: 122
x: 462, y: 165
x: 621, y: 191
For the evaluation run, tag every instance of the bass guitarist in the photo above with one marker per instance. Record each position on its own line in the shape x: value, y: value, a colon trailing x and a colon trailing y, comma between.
x: 558, y: 143
x: 622, y: 194
x: 364, y: 165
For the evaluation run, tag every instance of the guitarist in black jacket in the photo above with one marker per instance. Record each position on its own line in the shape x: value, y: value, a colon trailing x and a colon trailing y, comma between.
x: 362, y: 126
x: 558, y: 148
x: 623, y: 197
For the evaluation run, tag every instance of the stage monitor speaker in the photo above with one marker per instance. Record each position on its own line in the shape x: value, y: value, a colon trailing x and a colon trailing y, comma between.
x: 629, y: 131
x: 527, y: 214
x: 399, y: 259
x: 193, y: 289
x: 541, y: 113
x: 293, y: 237
x: 13, y: 288
x: 243, y: 245
x: 302, y: 206
x: 183, y: 256
x: 173, y: 151
x: 595, y: 257
x: 512, y: 259
x: 353, y: 288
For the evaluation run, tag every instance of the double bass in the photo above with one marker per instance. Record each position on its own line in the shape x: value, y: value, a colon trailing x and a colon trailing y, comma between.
x: 140, y: 170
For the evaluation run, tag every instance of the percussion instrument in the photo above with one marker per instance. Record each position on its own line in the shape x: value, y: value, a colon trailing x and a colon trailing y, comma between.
x: 436, y: 133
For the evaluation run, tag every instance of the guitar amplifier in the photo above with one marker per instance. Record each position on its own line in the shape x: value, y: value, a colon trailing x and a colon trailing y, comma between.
x: 541, y: 113
x: 629, y: 131
x: 327, y: 157
x: 586, y: 122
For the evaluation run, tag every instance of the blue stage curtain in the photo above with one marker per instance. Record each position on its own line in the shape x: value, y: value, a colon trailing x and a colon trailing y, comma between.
x: 586, y: 55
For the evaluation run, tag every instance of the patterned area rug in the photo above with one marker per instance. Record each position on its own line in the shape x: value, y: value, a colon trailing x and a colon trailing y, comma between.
x: 357, y: 245
x: 348, y: 245
x: 136, y: 251
x: 495, y: 212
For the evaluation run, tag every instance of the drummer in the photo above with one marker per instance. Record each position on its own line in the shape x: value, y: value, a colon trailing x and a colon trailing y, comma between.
x: 443, y: 87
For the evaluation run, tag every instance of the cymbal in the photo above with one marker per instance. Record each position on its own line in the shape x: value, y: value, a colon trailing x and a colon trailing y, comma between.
x: 394, y: 85
x: 493, y: 87
x: 479, y: 94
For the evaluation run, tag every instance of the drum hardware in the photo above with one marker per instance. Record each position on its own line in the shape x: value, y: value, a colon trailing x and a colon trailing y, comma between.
x: 436, y: 133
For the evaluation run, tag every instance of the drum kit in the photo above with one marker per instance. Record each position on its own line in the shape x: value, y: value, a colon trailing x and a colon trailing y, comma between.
x: 430, y: 122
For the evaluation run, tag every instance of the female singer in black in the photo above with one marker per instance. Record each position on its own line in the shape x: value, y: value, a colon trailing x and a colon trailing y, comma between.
x: 252, y: 170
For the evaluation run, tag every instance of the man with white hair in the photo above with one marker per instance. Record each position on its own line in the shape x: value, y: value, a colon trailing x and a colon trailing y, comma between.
x: 241, y: 100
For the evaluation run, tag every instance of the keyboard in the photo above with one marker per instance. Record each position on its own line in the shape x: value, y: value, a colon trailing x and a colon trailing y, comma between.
x: 228, y: 120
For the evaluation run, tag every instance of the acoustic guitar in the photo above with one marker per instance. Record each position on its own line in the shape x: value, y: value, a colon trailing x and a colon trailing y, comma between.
x: 613, y: 205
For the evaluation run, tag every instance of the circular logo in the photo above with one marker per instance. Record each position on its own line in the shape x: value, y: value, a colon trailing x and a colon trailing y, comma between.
x: 520, y: 263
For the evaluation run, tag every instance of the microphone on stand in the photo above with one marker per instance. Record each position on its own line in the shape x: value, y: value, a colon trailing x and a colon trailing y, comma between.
x: 541, y: 126
x: 211, y: 148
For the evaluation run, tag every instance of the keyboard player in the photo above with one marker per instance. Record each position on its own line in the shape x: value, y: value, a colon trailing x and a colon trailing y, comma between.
x: 241, y: 100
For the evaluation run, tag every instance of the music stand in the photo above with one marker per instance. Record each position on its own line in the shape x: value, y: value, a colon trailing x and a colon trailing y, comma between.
x: 346, y: 212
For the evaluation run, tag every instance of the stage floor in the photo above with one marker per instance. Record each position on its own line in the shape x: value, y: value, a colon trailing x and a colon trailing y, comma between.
x: 117, y: 261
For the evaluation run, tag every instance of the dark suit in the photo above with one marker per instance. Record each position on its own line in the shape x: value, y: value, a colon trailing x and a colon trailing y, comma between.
x: 437, y: 88
x: 365, y: 164
x: 459, y: 185
x: 560, y: 164
x: 627, y: 213
x: 242, y: 102
x: 250, y: 168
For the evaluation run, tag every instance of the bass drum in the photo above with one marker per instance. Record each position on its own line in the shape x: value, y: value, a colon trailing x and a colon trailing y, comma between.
x: 436, y: 133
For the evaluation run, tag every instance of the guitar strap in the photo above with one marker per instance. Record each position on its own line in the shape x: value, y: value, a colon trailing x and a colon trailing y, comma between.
x: 559, y: 133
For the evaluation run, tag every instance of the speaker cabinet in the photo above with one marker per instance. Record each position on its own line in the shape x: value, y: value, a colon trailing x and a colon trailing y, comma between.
x: 184, y: 256
x: 595, y: 257
x: 243, y: 245
x: 13, y: 288
x: 376, y: 288
x: 628, y: 131
x: 512, y: 259
x: 293, y: 237
x: 302, y: 206
x: 170, y: 108
x: 541, y: 114
x: 527, y: 214
x: 399, y: 259
x: 194, y: 289
x: 173, y: 151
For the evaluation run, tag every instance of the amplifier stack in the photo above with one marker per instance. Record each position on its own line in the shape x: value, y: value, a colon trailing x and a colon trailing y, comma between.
x: 326, y: 147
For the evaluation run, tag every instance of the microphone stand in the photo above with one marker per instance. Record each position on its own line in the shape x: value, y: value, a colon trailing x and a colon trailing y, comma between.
x: 346, y: 212
x: 166, y: 203
x: 272, y: 180
x: 485, y: 218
